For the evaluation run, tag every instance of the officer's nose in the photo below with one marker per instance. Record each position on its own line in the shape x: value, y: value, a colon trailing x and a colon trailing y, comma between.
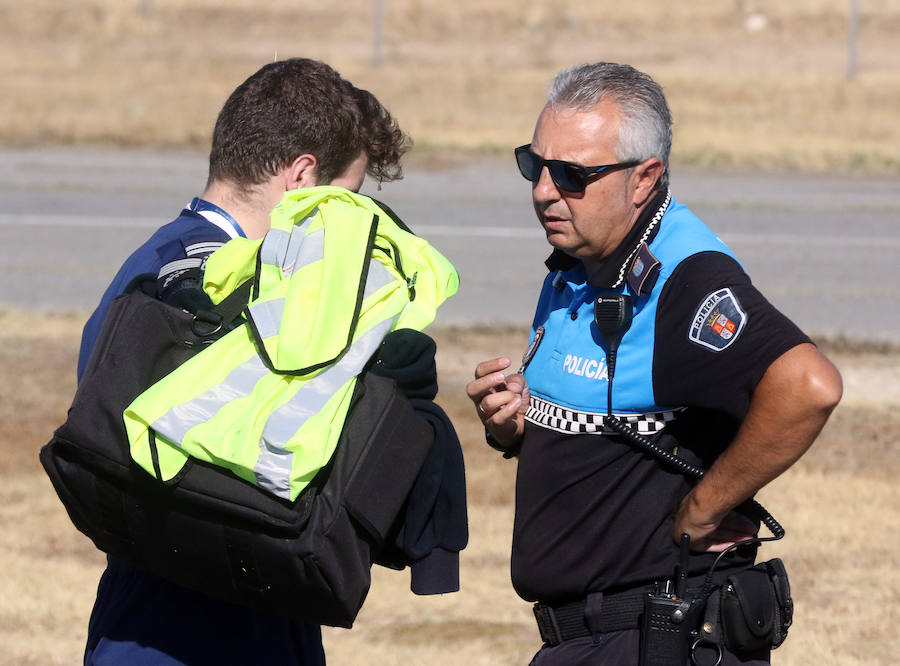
x: 544, y: 189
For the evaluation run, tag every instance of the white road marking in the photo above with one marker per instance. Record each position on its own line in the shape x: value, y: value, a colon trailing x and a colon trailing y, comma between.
x: 425, y: 230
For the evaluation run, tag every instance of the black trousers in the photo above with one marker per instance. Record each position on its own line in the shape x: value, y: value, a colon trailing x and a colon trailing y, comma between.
x: 620, y: 648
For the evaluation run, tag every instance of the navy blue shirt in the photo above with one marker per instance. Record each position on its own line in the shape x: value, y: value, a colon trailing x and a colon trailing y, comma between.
x: 139, y: 618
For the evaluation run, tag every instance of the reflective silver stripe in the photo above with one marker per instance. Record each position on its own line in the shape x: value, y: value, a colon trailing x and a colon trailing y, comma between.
x: 179, y: 265
x: 280, y: 248
x: 267, y: 317
x: 291, y: 252
x: 273, y: 468
x: 379, y: 276
x: 202, y: 248
x: 311, y: 249
x: 268, y: 314
x: 175, y: 423
x: 274, y: 247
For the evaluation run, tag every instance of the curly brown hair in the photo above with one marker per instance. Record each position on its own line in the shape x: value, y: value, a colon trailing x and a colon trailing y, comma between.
x: 385, y: 142
x: 301, y: 106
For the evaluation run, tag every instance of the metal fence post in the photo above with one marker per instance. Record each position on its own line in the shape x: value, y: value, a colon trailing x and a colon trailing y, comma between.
x: 853, y: 40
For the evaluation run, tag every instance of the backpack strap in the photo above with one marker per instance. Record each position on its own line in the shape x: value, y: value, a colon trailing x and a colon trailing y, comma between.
x: 211, y: 320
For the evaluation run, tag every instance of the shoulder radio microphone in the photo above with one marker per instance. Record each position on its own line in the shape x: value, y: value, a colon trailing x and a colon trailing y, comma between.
x: 613, y: 313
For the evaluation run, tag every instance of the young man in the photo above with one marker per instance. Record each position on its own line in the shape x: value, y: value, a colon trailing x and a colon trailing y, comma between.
x: 292, y: 124
x: 708, y: 368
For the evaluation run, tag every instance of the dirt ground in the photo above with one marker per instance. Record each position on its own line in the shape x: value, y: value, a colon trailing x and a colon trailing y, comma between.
x: 839, y: 505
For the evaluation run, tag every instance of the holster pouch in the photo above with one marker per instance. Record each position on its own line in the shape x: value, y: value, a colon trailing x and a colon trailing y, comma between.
x: 755, y: 608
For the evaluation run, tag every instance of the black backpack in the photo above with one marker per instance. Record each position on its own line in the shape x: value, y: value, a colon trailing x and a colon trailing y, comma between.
x: 208, y: 529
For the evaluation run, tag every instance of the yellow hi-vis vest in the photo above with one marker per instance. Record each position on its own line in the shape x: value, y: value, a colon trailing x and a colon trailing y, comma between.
x: 334, y: 274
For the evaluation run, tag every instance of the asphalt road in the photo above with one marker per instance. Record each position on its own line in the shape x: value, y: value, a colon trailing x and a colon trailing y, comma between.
x: 823, y: 248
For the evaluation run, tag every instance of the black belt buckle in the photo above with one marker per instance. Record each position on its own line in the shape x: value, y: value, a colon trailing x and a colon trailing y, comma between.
x: 547, y: 626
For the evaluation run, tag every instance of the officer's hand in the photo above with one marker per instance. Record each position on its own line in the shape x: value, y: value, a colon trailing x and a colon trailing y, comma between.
x: 711, y: 536
x: 501, y: 401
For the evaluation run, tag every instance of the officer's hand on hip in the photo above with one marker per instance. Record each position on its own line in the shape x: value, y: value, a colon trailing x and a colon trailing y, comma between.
x: 501, y: 401
x: 711, y: 534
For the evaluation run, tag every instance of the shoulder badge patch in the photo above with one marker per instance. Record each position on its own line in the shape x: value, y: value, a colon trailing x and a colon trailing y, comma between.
x: 643, y: 272
x: 718, y: 321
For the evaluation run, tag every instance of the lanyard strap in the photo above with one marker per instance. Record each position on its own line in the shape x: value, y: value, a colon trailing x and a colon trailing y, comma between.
x: 217, y: 216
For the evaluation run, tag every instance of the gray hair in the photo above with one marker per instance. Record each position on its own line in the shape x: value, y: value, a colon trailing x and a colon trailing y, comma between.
x: 646, y: 127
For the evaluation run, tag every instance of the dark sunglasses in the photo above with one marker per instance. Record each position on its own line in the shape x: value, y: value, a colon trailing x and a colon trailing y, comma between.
x: 567, y: 176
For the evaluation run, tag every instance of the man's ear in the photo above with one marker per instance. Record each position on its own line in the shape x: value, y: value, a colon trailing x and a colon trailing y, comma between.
x: 645, y: 177
x: 303, y: 172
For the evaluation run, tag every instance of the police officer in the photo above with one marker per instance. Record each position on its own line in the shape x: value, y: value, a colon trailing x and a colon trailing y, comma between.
x: 707, y: 369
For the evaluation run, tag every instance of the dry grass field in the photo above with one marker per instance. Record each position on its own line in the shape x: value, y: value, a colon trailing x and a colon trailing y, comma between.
x: 751, y: 82
x: 839, y: 505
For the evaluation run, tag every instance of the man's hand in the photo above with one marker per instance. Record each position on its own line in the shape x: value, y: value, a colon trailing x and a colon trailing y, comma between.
x: 501, y: 401
x: 788, y: 409
x: 708, y: 534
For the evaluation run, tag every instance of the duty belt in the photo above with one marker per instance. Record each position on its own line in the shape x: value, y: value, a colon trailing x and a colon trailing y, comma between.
x: 598, y: 613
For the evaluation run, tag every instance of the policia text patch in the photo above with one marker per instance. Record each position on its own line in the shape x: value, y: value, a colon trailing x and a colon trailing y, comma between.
x: 718, y: 321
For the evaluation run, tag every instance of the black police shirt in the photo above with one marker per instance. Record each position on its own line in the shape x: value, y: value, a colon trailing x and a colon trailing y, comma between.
x: 592, y: 513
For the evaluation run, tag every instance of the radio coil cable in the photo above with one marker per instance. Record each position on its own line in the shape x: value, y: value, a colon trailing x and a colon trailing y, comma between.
x: 613, y: 313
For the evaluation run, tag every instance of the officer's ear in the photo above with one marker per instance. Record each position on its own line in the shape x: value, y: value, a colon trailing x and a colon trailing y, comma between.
x: 303, y: 172
x: 644, y: 179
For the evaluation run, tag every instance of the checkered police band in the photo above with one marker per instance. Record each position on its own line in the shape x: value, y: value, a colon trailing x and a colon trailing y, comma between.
x: 548, y: 415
